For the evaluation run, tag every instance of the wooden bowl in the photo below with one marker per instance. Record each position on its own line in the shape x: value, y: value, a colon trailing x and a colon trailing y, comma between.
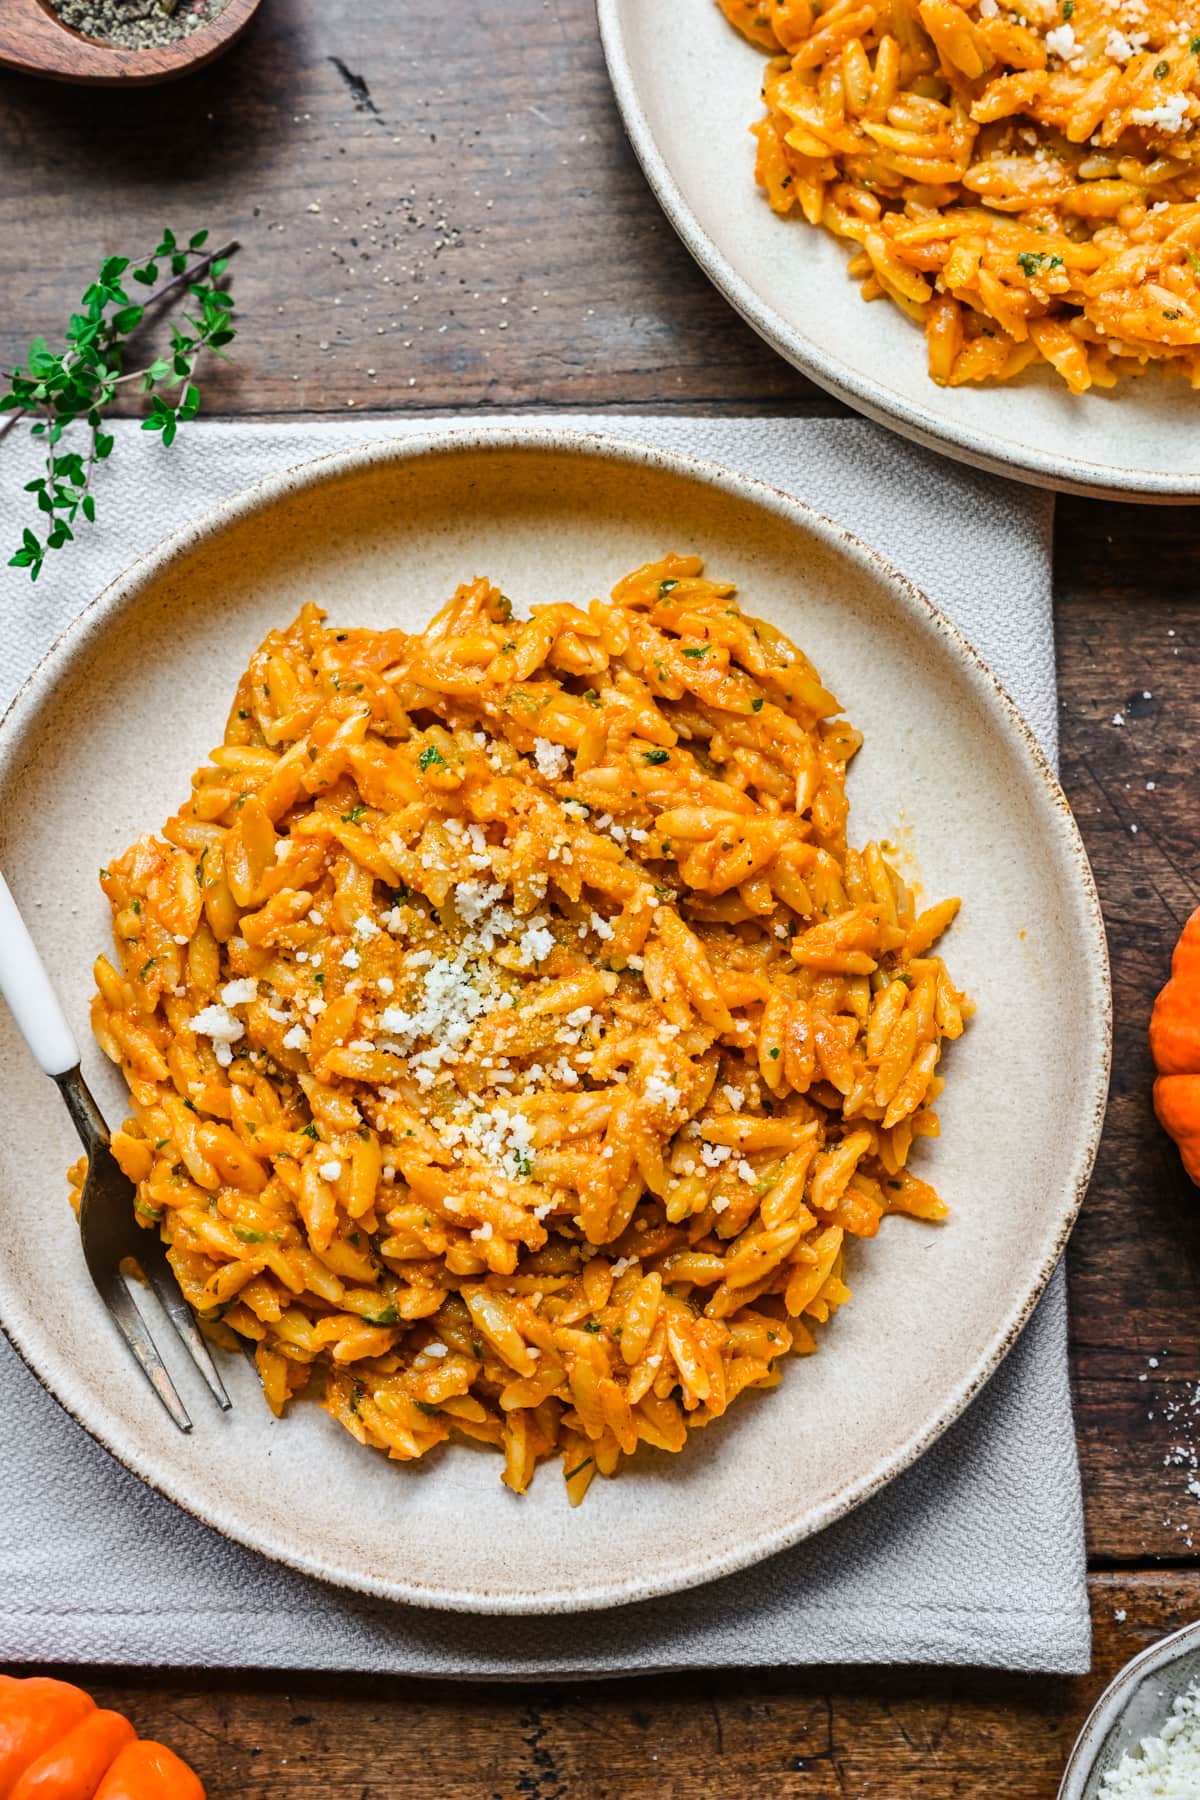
x: 34, y: 39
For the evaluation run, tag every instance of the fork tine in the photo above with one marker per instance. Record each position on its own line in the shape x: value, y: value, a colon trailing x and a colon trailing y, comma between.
x: 180, y: 1314
x: 133, y: 1329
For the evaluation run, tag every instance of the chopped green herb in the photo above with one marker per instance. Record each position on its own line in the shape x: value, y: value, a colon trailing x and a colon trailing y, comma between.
x: 429, y: 756
x: 136, y: 905
x: 354, y: 815
x: 146, y: 967
x: 578, y: 1469
x: 159, y: 1143
x: 388, y: 1316
x: 593, y: 1327
x: 1194, y: 46
x: 1162, y: 70
x: 665, y: 587
x: 310, y: 1130
x: 255, y: 1237
x: 1033, y: 262
x: 896, y: 1184
x: 756, y: 705
x: 424, y: 1406
x: 591, y: 696
x: 774, y: 1052
x: 655, y: 756
x: 695, y: 653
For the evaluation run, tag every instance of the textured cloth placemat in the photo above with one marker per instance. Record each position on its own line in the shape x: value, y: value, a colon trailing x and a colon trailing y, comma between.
x: 974, y: 1556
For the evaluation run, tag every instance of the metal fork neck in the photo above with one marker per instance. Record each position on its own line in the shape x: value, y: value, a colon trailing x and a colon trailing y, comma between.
x: 85, y: 1114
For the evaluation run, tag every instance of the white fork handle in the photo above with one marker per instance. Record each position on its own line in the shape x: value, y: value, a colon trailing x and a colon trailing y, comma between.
x: 32, y: 1001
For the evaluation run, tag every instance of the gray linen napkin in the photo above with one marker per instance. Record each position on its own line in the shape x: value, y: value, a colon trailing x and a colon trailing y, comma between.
x: 975, y: 1556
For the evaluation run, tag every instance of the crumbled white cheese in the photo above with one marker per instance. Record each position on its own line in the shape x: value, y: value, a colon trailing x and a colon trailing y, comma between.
x: 439, y: 1350
x: 240, y: 993
x: 329, y: 1171
x: 386, y: 985
x: 746, y: 1173
x: 551, y: 759
x: 296, y: 1038
x: 365, y: 926
x: 1061, y: 42
x: 721, y: 1203
x: 734, y: 1095
x: 1166, y: 1767
x: 659, y: 1091
x: 1169, y: 116
x: 713, y: 1155
x: 601, y: 927
x: 1118, y: 46
x: 219, y: 1024
x: 223, y: 1054
x: 535, y: 944
x: 352, y: 959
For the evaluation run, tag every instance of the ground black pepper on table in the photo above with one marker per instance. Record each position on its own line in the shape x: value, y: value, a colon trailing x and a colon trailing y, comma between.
x: 137, y: 24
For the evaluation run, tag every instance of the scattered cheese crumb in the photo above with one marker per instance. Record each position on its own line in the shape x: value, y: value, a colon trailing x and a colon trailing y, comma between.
x: 217, y: 1023
x: 329, y: 1171
x: 551, y: 759
x: 240, y: 993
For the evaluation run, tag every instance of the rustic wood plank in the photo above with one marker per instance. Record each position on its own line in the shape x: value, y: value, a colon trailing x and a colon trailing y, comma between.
x: 1129, y: 648
x: 469, y: 166
x: 793, y: 1735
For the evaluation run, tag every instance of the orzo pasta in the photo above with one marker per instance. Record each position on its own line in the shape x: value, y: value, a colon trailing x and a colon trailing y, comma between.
x: 514, y: 1042
x: 1021, y: 176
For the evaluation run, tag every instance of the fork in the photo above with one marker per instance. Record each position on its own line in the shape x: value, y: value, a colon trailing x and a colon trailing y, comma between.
x: 108, y: 1227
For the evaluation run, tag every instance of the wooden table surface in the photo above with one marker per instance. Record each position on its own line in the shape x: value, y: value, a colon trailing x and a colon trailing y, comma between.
x: 438, y: 210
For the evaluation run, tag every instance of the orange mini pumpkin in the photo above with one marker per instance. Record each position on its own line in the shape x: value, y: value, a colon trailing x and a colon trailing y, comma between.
x: 1175, y: 1047
x: 57, y: 1744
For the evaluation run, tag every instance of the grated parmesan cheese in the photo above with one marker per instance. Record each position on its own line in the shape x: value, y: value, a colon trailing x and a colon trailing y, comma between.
x: 551, y: 759
x: 239, y: 993
x: 217, y: 1023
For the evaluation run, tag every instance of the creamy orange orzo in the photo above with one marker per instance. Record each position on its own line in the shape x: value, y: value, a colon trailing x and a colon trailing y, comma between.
x: 514, y: 1041
x: 1020, y: 176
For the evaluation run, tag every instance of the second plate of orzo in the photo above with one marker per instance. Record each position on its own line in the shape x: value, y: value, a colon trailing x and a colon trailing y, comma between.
x: 598, y: 1003
x: 975, y: 222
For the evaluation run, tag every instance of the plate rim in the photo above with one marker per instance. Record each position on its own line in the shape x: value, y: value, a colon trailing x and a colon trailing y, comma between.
x: 549, y: 439
x: 963, y: 443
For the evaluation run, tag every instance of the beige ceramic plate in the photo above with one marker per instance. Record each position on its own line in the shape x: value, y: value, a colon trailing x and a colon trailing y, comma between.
x: 100, y: 746
x: 688, y: 88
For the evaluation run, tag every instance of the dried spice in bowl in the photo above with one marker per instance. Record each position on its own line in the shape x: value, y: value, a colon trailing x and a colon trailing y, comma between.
x: 137, y: 24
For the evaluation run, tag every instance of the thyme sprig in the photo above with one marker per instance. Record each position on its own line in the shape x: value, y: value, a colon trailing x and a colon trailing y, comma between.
x: 82, y: 381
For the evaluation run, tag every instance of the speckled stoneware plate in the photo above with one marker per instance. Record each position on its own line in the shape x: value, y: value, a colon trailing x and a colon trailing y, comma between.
x: 100, y: 746
x: 688, y: 87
